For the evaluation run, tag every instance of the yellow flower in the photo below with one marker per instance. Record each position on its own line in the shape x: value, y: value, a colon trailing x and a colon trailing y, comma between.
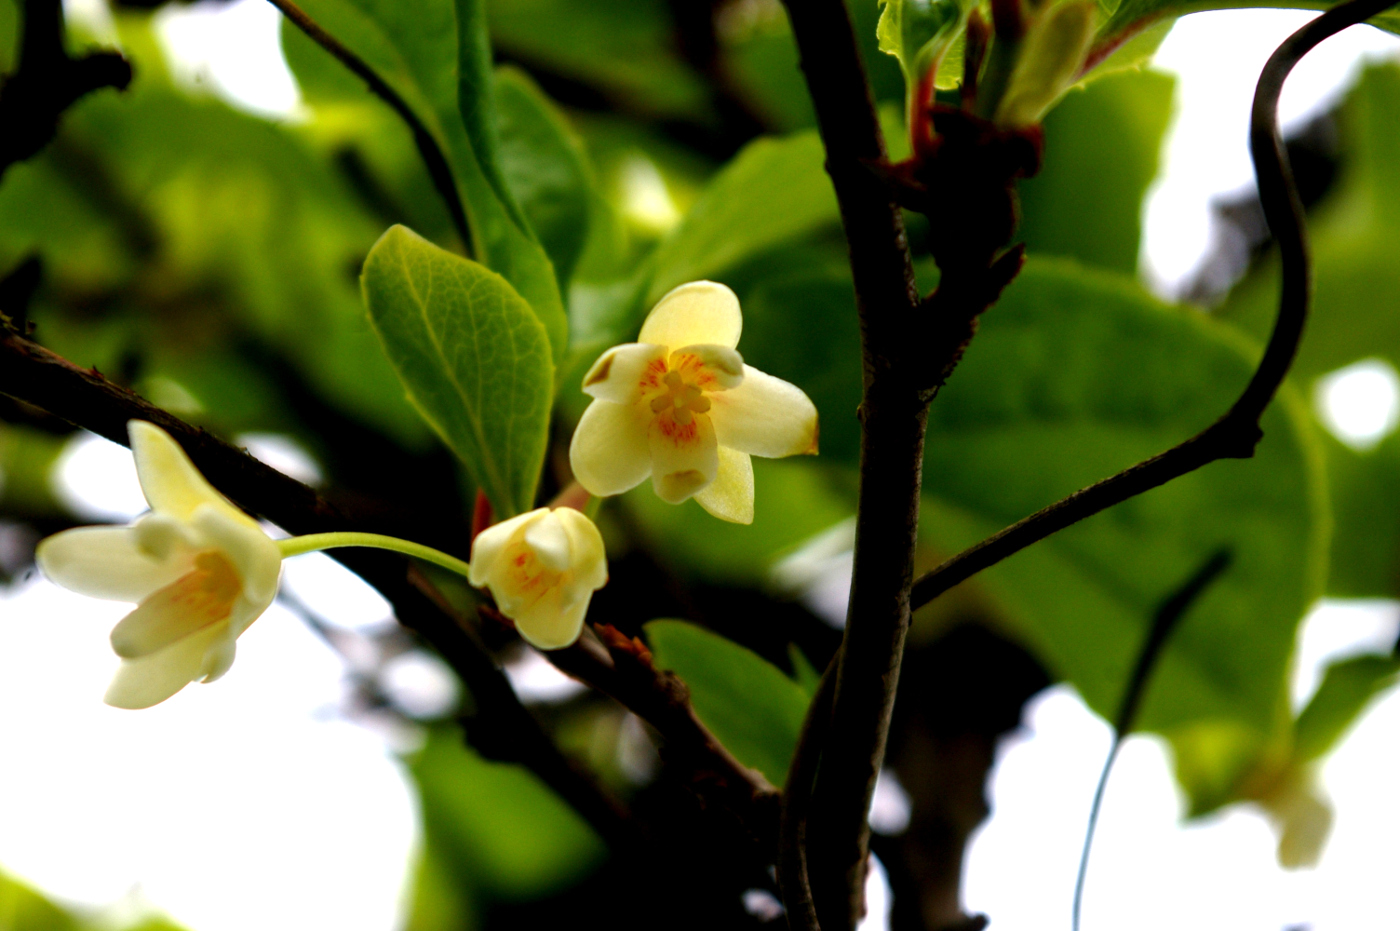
x: 542, y: 568
x: 682, y: 407
x: 200, y: 569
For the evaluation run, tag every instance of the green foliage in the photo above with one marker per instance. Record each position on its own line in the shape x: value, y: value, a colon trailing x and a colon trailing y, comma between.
x: 773, y: 191
x: 545, y: 166
x: 415, y: 48
x: 746, y: 701
x: 1347, y: 688
x: 24, y: 909
x: 1356, y: 286
x: 1101, y: 153
x: 496, y: 827
x: 472, y: 356
x: 1078, y: 374
x: 919, y: 33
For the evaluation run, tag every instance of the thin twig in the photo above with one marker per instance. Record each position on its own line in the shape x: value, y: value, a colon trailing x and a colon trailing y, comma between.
x: 502, y: 726
x: 793, y: 879
x: 433, y: 158
x: 1165, y: 621
x: 1235, y: 435
x: 48, y: 82
x: 622, y: 668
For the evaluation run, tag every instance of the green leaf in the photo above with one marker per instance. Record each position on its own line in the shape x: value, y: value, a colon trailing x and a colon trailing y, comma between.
x: 918, y: 33
x: 1347, y: 689
x: 9, y: 37
x: 414, y: 48
x: 746, y: 701
x: 773, y: 191
x: 23, y: 909
x: 1073, y: 376
x: 545, y: 167
x: 473, y: 358
x: 496, y: 827
x: 1086, y: 201
x: 1352, y: 233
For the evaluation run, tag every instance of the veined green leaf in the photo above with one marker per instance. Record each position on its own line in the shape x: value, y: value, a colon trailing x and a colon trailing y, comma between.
x: 472, y: 356
x: 746, y: 701
x: 919, y: 33
x: 415, y: 48
x: 545, y: 168
x: 774, y: 190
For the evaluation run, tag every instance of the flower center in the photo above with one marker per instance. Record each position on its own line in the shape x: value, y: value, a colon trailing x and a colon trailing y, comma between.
x: 528, y: 577
x: 683, y: 398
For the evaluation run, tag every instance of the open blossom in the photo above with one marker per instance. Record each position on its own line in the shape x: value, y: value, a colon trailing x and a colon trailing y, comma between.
x: 542, y: 568
x: 200, y: 570
x: 681, y: 406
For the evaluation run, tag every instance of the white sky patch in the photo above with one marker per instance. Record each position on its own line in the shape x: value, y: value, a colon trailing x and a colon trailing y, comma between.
x: 337, y: 595
x: 232, y: 50
x: 1337, y: 630
x: 96, y: 479
x: 243, y: 803
x: 1360, y: 403
x: 1217, y: 57
x: 284, y: 454
x: 536, y: 679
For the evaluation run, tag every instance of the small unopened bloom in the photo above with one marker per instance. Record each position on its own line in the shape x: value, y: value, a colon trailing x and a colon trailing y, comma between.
x: 681, y: 406
x: 542, y: 568
x: 199, y: 569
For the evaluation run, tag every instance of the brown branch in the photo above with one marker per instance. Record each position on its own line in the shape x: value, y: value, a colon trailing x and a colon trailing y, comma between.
x: 622, y: 668
x: 793, y: 878
x: 48, y: 82
x: 501, y: 728
x: 433, y: 158
x: 1237, y: 433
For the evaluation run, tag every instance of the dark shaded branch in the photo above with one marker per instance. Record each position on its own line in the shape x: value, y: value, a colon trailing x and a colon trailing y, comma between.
x: 793, y: 879
x: 1235, y: 435
x: 48, y: 82
x: 1163, y: 624
x: 501, y: 728
x: 621, y: 667
x: 433, y: 157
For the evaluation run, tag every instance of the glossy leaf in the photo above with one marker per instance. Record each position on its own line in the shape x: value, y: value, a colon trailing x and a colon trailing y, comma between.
x: 1078, y: 374
x: 472, y: 357
x: 746, y: 701
x: 545, y: 167
x: 1086, y: 201
x: 414, y: 47
x: 775, y: 190
x: 919, y: 33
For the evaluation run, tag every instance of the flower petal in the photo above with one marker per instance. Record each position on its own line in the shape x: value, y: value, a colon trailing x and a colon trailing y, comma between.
x: 623, y: 372
x: 697, y: 312
x: 151, y: 679
x: 730, y: 496
x: 106, y: 562
x: 169, y: 480
x: 191, y: 603
x: 609, y: 452
x: 589, y: 559
x: 550, y: 544
x: 549, y: 624
x: 765, y: 416
x: 488, y: 545
x: 252, y: 552
x: 709, y: 367
x: 684, y: 457
x: 218, y: 657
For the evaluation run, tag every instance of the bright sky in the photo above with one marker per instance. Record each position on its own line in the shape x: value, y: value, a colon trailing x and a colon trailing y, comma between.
x: 253, y: 802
